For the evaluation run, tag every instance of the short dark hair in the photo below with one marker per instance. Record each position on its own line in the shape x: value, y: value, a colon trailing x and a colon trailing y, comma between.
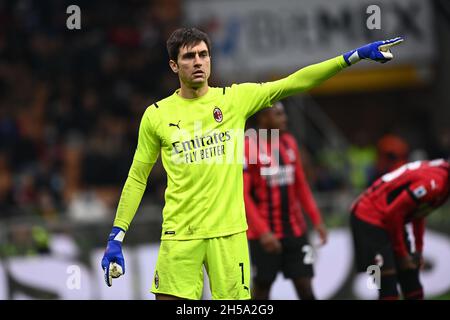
x: 185, y: 36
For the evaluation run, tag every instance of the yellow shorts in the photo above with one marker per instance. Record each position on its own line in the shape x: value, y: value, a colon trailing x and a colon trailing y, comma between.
x: 179, y: 268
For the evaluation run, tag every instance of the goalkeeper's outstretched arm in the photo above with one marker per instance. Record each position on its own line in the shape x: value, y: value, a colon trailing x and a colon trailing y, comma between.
x: 313, y: 75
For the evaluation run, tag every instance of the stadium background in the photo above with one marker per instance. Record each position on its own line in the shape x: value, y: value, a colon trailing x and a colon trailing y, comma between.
x: 71, y: 101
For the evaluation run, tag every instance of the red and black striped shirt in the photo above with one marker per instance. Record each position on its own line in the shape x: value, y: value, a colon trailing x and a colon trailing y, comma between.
x: 405, y: 195
x: 276, y: 190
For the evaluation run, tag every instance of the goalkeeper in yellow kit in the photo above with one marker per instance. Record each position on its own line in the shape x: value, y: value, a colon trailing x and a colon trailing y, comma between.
x: 195, y: 129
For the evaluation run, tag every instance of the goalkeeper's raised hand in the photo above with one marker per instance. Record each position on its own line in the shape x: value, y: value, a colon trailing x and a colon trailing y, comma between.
x: 378, y: 51
x: 113, y: 263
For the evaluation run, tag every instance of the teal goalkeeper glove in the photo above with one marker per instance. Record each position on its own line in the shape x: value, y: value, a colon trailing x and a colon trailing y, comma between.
x: 378, y: 51
x: 113, y: 262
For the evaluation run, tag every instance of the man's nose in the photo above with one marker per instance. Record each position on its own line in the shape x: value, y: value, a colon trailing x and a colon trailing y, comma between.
x: 197, y: 60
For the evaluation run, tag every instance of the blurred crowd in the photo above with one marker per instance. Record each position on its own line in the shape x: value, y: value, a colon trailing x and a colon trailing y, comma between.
x: 71, y: 102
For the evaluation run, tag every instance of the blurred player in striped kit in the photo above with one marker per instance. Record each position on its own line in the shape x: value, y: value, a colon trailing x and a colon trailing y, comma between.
x: 276, y: 193
x: 407, y: 194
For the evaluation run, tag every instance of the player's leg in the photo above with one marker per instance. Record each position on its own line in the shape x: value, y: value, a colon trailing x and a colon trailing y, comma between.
x: 410, y: 284
x: 179, y: 270
x: 228, y: 266
x: 385, y: 259
x: 265, y: 267
x: 388, y: 285
x: 297, y: 264
x: 261, y: 290
x: 409, y: 279
x: 372, y: 248
x: 304, y: 289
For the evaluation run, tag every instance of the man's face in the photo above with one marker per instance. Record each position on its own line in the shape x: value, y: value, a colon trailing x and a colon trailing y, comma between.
x: 193, y: 65
x: 276, y: 118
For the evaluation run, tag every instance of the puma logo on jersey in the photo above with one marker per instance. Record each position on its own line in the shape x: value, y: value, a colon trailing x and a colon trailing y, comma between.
x: 175, y: 125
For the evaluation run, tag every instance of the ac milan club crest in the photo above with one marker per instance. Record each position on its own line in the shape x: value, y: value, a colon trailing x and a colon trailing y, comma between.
x: 217, y: 113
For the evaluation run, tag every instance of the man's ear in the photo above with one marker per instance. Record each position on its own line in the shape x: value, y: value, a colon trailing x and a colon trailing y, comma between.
x: 173, y: 65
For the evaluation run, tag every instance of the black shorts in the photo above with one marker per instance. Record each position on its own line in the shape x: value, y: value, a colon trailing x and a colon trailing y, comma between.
x: 295, y: 261
x: 372, y: 245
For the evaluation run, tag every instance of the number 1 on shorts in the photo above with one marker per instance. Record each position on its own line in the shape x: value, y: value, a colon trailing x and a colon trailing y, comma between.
x: 241, y: 264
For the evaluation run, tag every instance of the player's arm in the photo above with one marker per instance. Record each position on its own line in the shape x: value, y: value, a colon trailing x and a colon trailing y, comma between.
x: 132, y: 193
x: 147, y: 152
x: 307, y: 200
x: 313, y: 75
x: 258, y: 224
x: 429, y: 194
x: 403, y: 206
x: 419, y: 231
x: 415, y: 204
x: 257, y: 96
x: 254, y: 218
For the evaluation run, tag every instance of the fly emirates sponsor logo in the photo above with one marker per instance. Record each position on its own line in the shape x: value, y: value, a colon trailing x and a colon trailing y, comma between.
x: 218, y: 146
x: 200, y: 148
